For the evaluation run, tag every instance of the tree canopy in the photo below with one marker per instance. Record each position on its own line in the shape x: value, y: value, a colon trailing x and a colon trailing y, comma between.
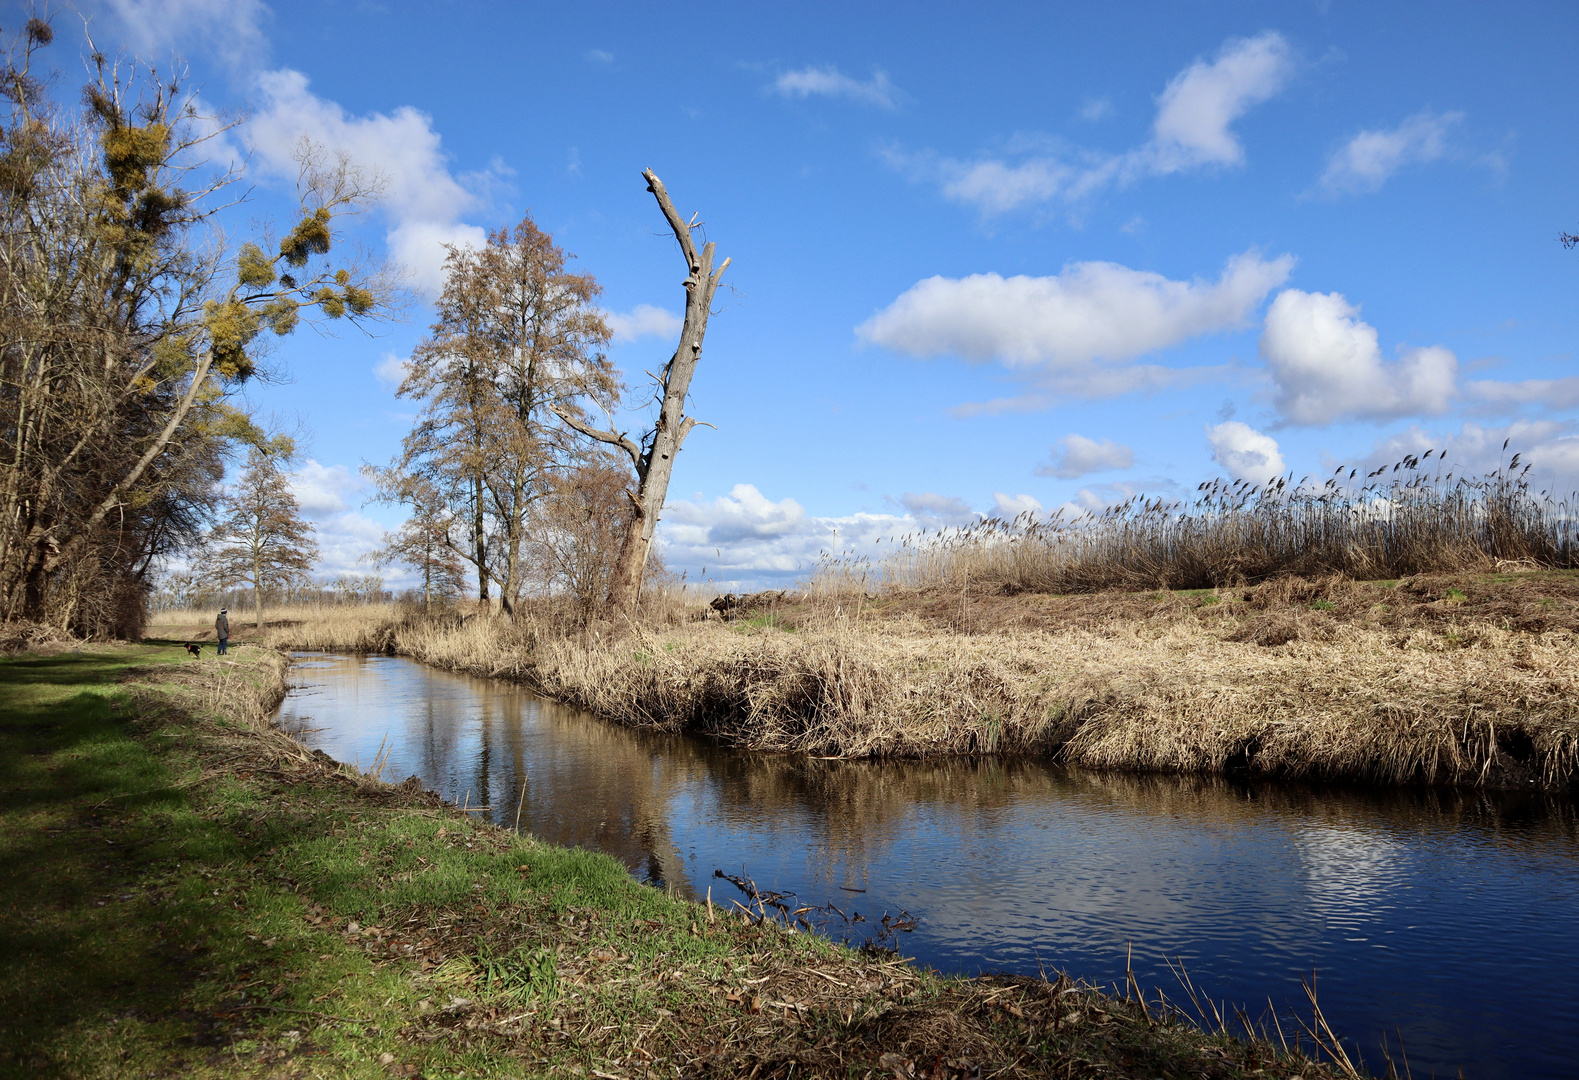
x: 127, y: 328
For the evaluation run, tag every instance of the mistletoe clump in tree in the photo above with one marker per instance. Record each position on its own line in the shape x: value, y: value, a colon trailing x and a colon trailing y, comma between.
x: 127, y: 329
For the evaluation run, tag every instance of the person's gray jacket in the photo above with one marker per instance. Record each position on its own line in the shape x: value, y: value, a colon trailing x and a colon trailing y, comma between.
x: 222, y: 625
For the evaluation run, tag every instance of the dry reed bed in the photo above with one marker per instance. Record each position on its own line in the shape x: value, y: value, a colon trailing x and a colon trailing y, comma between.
x: 1276, y: 691
x: 1419, y: 517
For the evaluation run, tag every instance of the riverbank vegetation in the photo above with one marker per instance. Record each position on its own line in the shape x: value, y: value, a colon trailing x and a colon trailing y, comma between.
x: 188, y: 891
x: 1414, y: 517
x: 1455, y: 679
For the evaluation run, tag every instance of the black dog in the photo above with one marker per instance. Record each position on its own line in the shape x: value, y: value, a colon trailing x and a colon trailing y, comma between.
x: 194, y: 650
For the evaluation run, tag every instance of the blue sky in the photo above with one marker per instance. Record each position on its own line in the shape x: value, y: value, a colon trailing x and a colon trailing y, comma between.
x: 986, y: 257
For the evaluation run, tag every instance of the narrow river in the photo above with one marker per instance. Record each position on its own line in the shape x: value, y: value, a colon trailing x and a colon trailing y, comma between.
x: 1448, y: 919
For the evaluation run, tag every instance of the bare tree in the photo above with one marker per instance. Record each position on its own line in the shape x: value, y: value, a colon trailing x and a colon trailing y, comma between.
x: 516, y: 350
x: 654, y: 459
x: 261, y: 539
x: 577, y: 532
x: 424, y: 543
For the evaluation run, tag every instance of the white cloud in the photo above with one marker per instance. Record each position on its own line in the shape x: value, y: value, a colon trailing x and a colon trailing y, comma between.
x: 1196, y: 110
x: 1246, y: 453
x: 933, y: 511
x: 831, y: 82
x: 232, y: 30
x: 996, y: 187
x: 1192, y: 130
x: 1082, y: 456
x: 326, y: 494
x: 1366, y: 161
x: 1097, y: 498
x: 1327, y: 366
x: 1551, y: 446
x: 643, y: 320
x: 600, y: 56
x: 424, y: 200
x: 390, y: 371
x: 744, y: 537
x: 1012, y: 506
x: 1550, y: 393
x: 1060, y: 329
x: 323, y: 489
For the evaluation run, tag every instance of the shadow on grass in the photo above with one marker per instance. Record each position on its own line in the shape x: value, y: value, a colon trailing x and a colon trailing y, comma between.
x: 102, y: 867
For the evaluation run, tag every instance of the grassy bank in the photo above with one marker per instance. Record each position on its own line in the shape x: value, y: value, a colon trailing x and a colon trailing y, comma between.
x: 188, y: 892
x: 1452, y: 679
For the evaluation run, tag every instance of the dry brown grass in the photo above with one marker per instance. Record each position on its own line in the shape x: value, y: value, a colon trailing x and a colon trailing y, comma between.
x: 1462, y: 680
x: 1413, y: 520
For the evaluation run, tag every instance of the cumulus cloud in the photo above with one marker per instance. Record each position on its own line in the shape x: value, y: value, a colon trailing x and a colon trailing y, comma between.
x: 324, y: 489
x: 1246, y: 453
x: 1198, y: 108
x: 1081, y: 456
x: 231, y: 30
x: 933, y: 511
x: 1550, y: 446
x: 643, y: 320
x: 1065, y: 327
x: 995, y: 186
x: 344, y: 539
x: 1193, y: 129
x: 390, y: 371
x: 1366, y: 161
x: 424, y: 200
x: 1100, y: 497
x: 326, y: 494
x: 1326, y: 365
x: 831, y: 82
x: 745, y: 537
x: 1550, y: 393
x: 1012, y: 506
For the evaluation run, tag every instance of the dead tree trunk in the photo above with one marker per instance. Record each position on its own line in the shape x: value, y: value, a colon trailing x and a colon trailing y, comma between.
x: 655, y: 461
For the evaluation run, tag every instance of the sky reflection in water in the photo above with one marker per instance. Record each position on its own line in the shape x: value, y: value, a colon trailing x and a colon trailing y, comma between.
x: 1453, y: 917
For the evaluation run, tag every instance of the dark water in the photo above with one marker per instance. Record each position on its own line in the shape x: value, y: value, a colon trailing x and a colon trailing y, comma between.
x: 1452, y: 918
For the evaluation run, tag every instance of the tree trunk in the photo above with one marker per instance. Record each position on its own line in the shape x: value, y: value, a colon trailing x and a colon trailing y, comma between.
x: 257, y: 591
x: 654, y: 466
x: 479, y: 542
x: 427, y: 579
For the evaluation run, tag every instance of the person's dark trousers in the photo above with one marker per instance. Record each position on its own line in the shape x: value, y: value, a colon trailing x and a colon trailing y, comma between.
x: 222, y: 643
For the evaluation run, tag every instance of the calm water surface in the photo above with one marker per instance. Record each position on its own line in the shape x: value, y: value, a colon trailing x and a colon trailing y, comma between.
x: 1453, y: 918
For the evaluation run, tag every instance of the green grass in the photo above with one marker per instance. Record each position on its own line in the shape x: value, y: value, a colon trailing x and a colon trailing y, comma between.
x: 186, y: 895
x: 154, y: 924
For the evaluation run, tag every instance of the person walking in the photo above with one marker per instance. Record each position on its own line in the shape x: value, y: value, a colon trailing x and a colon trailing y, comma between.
x: 222, y: 628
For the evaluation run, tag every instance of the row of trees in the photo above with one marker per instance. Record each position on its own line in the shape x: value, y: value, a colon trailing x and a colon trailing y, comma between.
x: 191, y: 590
x: 504, y: 475
x: 128, y: 326
x: 516, y: 473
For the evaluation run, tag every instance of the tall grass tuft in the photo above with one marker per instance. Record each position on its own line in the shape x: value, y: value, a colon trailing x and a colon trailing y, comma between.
x: 1404, y: 520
